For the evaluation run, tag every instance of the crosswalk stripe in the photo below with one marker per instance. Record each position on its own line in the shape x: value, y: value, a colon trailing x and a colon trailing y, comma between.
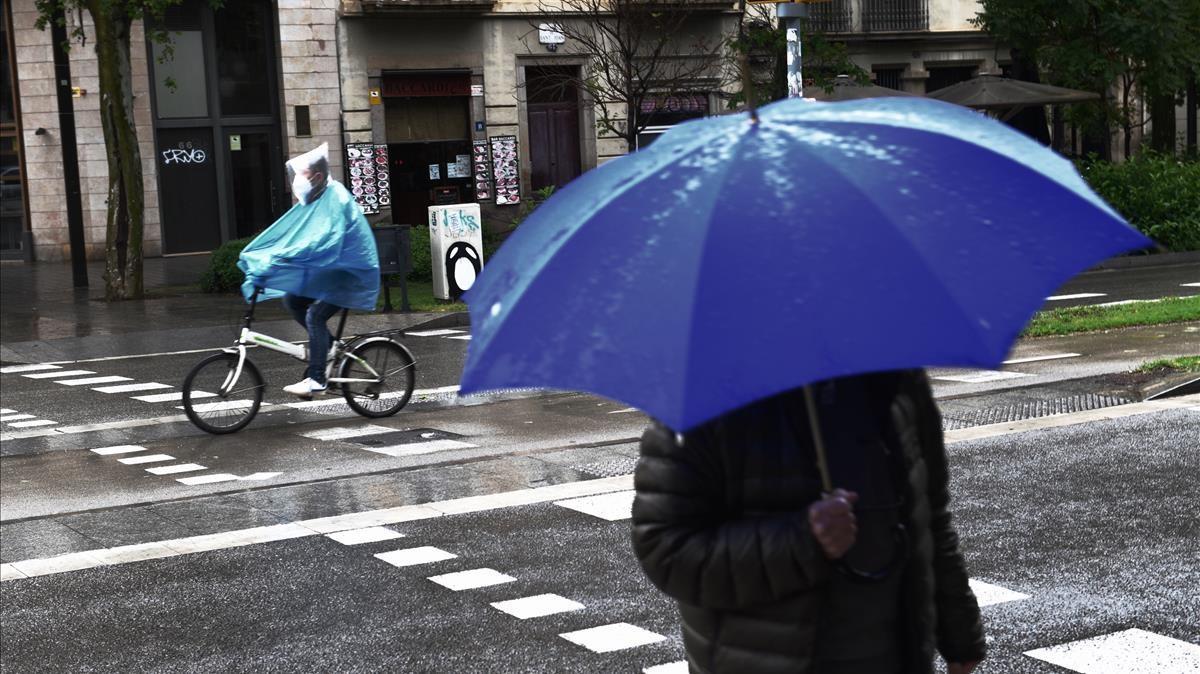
x: 612, y: 507
x: 171, y: 397
x: 1034, y: 359
x: 149, y: 458
x: 1131, y: 651
x: 680, y: 667
x: 471, y: 579
x: 466, y: 338
x: 221, y: 406
x: 364, y: 535
x: 31, y: 424
x: 129, y: 388
x: 87, y: 381
x: 1076, y: 296
x: 981, y: 376
x: 118, y: 449
x: 415, y: 448
x: 1190, y: 285
x: 414, y: 556
x: 537, y: 606
x: 988, y: 594
x: 344, y: 432
x: 207, y: 479
x: 16, y: 417
x: 432, y: 333
x: 38, y: 367
x: 177, y: 468
x: 614, y: 637
x: 7, y: 411
x: 57, y: 373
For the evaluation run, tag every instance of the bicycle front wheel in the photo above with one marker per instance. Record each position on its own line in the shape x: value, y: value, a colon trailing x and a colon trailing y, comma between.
x: 384, y: 375
x: 214, y: 401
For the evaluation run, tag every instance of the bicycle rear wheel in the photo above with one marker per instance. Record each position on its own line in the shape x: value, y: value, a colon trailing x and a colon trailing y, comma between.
x: 210, y: 406
x: 391, y: 374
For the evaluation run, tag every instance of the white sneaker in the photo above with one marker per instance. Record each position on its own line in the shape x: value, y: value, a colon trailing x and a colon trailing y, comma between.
x: 305, y: 388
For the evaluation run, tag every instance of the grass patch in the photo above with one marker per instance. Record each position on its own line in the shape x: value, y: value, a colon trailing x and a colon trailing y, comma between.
x: 1181, y: 364
x: 1088, y: 319
x: 421, y: 299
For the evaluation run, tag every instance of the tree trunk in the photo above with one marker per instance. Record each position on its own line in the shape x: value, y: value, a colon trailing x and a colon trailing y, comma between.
x: 126, y: 198
x: 1030, y: 121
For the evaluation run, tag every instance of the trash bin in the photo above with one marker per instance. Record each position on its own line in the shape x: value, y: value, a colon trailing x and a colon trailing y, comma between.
x: 456, y: 248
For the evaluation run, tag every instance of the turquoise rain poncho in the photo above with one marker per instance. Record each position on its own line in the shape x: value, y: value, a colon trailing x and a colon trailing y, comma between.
x: 323, y: 249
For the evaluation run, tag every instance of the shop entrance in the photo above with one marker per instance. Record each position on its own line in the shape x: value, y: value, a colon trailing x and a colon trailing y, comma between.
x: 428, y: 120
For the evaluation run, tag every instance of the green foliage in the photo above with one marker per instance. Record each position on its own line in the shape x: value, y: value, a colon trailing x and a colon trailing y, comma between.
x: 492, y: 239
x: 1158, y: 194
x: 222, y: 274
x: 422, y: 262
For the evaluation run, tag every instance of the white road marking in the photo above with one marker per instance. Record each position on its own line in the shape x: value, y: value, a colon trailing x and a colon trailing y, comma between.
x: 1190, y: 285
x: 415, y: 448
x: 982, y: 376
x: 341, y: 402
x: 537, y: 606
x: 171, y: 397
x: 31, y: 424
x: 413, y: 556
x: 1076, y: 296
x: 344, y: 432
x: 118, y: 449
x: 88, y: 381
x: 627, y: 410
x: 989, y: 594
x: 221, y: 406
x: 612, y: 507
x: 433, y: 333
x: 1034, y: 359
x: 614, y: 637
x: 260, y: 476
x: 7, y: 411
x: 63, y: 373
x: 37, y: 367
x: 9, y: 572
x: 17, y: 417
x: 129, y: 388
x: 177, y: 468
x: 208, y: 479
x: 365, y: 535
x: 471, y: 579
x: 1131, y: 651
x: 149, y: 458
x: 466, y: 338
x: 678, y: 667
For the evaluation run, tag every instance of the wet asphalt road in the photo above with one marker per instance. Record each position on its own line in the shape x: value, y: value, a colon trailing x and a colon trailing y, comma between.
x: 1096, y: 523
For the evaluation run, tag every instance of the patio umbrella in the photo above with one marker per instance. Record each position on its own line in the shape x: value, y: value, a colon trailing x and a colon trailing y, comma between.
x: 737, y: 258
x: 845, y: 88
x: 1006, y: 96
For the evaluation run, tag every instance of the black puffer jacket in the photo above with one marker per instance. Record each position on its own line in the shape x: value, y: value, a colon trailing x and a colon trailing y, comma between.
x: 720, y: 524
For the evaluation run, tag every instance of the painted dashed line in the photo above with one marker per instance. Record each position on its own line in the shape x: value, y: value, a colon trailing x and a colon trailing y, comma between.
x: 36, y: 367
x: 178, y: 468
x: 982, y: 376
x: 611, y: 507
x: 88, y: 381
x: 33, y: 424
x: 148, y: 458
x: 174, y: 396
x: 1035, y: 359
x: 1076, y: 296
x: 417, y: 448
x: 679, y: 667
x: 1131, y: 651
x: 433, y: 333
x: 537, y: 606
x: 17, y: 419
x: 346, y: 432
x: 225, y: 405
x: 364, y: 535
x: 1190, y: 285
x: 414, y: 556
x: 988, y: 594
x: 57, y: 373
x: 472, y: 579
x: 118, y: 449
x: 225, y: 477
x: 130, y: 388
x: 614, y: 637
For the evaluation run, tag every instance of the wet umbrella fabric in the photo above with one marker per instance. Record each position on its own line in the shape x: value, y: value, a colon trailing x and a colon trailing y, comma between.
x: 734, y: 260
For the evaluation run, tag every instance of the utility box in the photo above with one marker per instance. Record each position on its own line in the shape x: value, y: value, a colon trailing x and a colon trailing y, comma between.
x: 456, y: 248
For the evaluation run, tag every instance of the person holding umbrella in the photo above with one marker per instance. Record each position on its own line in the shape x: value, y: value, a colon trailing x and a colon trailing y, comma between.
x: 771, y: 574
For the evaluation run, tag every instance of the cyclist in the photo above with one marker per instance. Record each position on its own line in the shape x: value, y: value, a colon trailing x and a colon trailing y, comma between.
x: 319, y: 257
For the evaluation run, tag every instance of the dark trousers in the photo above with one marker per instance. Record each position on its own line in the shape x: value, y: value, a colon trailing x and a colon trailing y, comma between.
x: 313, y: 315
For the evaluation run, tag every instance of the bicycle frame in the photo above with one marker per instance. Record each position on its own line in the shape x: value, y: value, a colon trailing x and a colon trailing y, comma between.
x: 248, y: 337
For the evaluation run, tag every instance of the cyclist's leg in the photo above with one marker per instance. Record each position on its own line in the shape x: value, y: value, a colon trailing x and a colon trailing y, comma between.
x: 298, y: 306
x: 319, y: 338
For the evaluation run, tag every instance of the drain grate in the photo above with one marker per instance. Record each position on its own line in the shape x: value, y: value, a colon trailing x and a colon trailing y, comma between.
x: 610, y: 467
x: 955, y: 419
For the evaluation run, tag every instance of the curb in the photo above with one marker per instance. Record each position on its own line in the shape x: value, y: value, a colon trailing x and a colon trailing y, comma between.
x: 1139, y: 261
x: 455, y: 319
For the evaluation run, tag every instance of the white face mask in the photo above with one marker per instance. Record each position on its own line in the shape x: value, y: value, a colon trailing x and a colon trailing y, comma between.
x: 301, y: 188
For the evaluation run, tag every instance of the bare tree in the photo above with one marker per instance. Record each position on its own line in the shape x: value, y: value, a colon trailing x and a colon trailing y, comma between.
x: 640, y: 53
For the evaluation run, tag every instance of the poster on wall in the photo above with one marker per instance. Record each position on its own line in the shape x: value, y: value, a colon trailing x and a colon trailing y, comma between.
x: 364, y: 185
x: 504, y: 169
x: 483, y: 170
x: 383, y: 181
x: 461, y: 168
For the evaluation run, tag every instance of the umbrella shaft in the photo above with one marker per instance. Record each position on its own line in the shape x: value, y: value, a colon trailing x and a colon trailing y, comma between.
x: 818, y: 441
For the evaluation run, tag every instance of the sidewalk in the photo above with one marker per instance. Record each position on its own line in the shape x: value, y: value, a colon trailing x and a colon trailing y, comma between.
x: 43, y: 318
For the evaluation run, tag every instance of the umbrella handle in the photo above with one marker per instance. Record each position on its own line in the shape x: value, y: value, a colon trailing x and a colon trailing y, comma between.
x: 818, y: 441
x: 899, y: 557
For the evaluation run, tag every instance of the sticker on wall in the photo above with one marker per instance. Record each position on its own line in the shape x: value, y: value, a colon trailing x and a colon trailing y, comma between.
x: 483, y: 170
x: 435, y: 171
x: 374, y: 97
x: 504, y: 170
x: 361, y: 163
x: 461, y: 168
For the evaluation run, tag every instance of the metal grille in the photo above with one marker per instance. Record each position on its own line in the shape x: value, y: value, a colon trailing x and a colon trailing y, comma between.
x: 829, y: 17
x: 609, y: 468
x: 1033, y: 409
x: 895, y: 15
x: 889, y: 77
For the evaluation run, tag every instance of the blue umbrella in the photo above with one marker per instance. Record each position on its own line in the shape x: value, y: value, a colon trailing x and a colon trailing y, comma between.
x: 733, y: 259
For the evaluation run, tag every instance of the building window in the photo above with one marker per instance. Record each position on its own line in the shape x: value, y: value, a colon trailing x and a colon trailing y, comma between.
x: 943, y: 76
x: 180, y: 82
x: 830, y: 17
x: 884, y: 16
x: 660, y: 113
x: 889, y: 78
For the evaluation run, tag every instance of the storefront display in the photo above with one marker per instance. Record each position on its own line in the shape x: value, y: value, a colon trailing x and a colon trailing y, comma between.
x: 504, y: 168
x: 369, y: 178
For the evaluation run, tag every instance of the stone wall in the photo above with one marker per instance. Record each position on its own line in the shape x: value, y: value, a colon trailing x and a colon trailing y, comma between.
x: 309, y: 67
x: 43, y: 153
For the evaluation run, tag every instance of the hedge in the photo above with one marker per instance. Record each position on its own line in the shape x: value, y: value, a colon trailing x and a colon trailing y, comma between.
x: 222, y: 274
x: 1157, y: 193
